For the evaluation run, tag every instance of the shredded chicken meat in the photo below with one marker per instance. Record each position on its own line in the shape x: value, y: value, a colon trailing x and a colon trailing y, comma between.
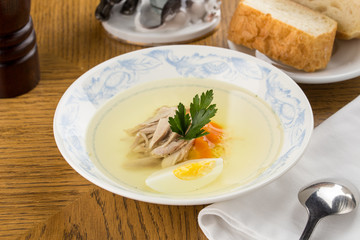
x: 155, y: 143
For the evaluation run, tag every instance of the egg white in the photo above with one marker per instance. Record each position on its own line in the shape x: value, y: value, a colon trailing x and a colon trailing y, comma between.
x: 165, y: 181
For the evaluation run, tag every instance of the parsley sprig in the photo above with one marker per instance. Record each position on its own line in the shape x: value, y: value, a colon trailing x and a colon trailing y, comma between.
x: 190, y: 126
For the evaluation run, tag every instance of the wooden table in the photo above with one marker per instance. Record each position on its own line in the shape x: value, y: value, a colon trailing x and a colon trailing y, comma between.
x: 41, y: 196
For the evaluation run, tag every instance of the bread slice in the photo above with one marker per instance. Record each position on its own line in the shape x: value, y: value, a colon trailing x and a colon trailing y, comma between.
x: 345, y: 12
x: 285, y: 31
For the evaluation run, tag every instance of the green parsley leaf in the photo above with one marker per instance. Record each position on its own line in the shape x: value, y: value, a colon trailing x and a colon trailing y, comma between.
x: 181, y: 121
x: 201, y: 112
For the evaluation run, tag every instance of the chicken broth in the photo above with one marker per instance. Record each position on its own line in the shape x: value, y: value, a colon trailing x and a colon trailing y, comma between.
x: 253, y: 132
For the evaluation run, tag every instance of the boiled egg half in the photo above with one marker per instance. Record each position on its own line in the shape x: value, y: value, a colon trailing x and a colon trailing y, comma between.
x: 186, y: 176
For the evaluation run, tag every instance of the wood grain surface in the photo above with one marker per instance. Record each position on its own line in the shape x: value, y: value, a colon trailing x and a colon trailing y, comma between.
x: 41, y: 196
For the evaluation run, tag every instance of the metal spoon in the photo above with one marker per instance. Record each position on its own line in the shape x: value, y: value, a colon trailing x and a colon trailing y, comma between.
x: 326, y: 198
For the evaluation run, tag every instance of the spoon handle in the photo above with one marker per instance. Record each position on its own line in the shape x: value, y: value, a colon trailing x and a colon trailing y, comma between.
x: 310, y: 225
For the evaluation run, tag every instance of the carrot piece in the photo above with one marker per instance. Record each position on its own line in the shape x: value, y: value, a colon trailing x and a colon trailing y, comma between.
x: 203, y: 146
x: 215, y: 132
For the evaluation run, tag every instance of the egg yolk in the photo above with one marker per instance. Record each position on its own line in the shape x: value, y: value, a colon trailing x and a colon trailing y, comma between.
x: 195, y: 170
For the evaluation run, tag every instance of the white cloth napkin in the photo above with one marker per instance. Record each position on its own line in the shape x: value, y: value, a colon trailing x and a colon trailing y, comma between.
x: 274, y: 212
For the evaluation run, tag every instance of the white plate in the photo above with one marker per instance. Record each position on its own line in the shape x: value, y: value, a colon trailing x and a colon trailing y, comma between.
x: 344, y: 63
x: 122, y: 27
x: 109, y: 79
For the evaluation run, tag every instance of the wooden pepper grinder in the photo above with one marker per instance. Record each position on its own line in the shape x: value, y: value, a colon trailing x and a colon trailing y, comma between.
x: 19, y: 62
